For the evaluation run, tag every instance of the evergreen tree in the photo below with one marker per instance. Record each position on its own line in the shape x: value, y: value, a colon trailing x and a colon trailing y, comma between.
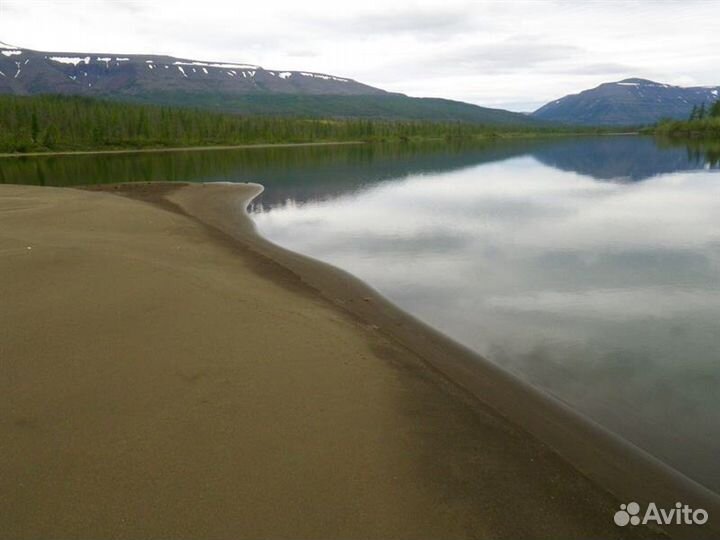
x: 50, y: 137
x: 701, y: 112
x: 715, y: 110
x: 34, y: 128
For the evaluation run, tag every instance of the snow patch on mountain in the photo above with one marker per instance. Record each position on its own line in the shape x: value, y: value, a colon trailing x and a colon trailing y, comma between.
x: 74, y: 60
x: 216, y: 65
x: 321, y: 76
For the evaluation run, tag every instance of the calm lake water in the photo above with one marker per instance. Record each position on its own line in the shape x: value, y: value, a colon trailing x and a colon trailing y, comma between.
x: 588, y: 267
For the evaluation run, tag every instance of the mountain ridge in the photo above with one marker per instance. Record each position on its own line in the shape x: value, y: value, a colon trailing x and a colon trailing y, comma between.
x: 242, y: 88
x: 632, y: 101
x: 80, y: 71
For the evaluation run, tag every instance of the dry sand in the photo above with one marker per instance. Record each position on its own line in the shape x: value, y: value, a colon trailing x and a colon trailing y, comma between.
x: 162, y: 379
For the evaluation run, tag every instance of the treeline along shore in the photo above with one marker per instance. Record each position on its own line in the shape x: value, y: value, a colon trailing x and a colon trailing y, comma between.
x: 703, y: 123
x: 62, y: 123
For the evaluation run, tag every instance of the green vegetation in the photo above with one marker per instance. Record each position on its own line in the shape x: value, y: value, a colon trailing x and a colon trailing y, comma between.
x: 56, y: 123
x: 394, y: 107
x: 703, y: 123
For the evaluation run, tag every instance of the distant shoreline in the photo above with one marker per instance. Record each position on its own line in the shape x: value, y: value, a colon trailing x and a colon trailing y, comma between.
x: 173, y: 149
x: 152, y: 150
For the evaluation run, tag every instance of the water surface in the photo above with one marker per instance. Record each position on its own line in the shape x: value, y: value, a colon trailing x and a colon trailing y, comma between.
x: 589, y: 268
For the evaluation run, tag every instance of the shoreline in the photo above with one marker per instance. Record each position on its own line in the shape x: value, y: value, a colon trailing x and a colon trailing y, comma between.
x: 169, y: 373
x: 175, y: 149
x: 624, y: 470
x: 530, y: 135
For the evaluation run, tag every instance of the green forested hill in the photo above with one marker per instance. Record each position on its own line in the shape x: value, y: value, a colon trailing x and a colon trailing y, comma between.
x: 41, y: 123
x: 377, y: 107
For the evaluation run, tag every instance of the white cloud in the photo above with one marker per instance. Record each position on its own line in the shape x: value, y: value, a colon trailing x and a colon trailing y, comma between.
x: 505, y: 54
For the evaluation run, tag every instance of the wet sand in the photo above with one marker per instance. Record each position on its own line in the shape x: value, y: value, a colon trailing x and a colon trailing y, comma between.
x: 165, y: 373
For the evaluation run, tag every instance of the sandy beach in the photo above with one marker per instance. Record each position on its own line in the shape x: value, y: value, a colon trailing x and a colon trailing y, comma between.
x: 165, y: 374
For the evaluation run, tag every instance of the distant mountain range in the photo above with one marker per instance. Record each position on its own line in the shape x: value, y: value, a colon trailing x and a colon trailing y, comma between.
x: 252, y: 89
x: 627, y: 103
x: 223, y: 86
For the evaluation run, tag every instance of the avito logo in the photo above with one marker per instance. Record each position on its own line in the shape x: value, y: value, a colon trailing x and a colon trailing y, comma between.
x: 682, y: 514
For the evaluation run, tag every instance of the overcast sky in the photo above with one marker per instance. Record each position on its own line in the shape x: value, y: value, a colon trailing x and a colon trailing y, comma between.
x: 510, y: 54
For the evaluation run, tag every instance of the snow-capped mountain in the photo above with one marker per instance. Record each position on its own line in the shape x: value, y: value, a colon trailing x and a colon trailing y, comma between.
x: 24, y: 71
x: 223, y: 86
x: 627, y: 102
